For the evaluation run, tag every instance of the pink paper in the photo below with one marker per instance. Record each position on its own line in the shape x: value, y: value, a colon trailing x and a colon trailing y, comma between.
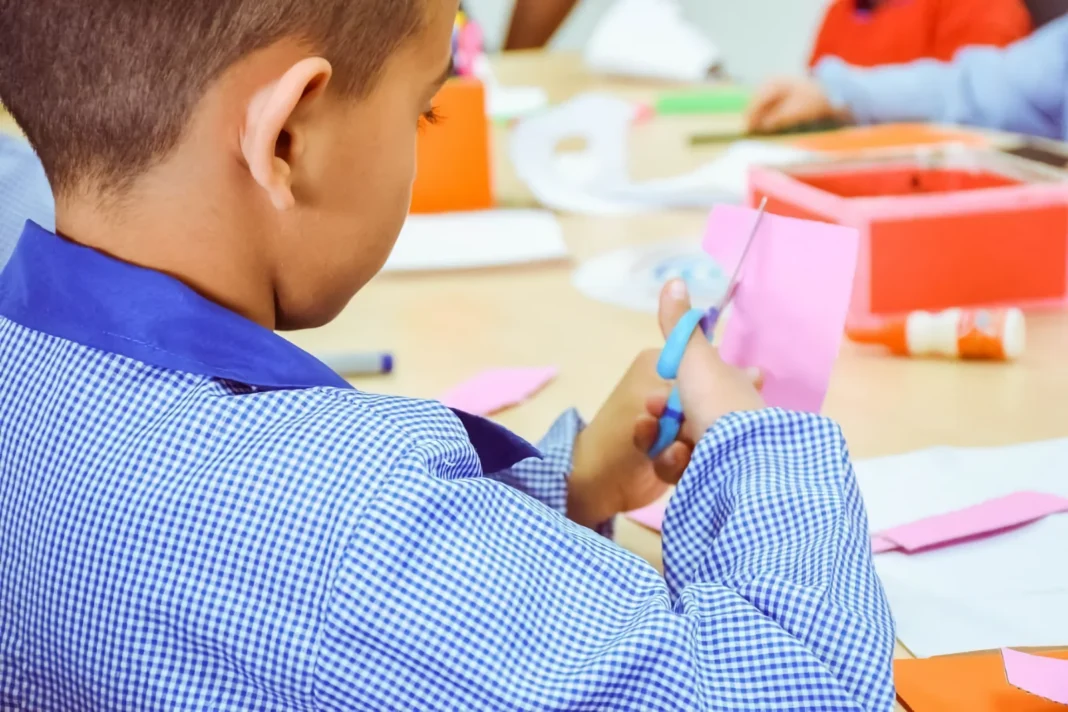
x: 987, y: 518
x: 790, y: 310
x: 651, y: 517
x: 1045, y: 677
x: 493, y: 391
x: 881, y: 545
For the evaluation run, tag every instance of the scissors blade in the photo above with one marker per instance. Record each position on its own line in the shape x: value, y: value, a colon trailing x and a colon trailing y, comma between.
x: 732, y: 286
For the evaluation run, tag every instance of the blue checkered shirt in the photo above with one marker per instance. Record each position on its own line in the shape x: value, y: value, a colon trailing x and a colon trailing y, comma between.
x: 197, y: 515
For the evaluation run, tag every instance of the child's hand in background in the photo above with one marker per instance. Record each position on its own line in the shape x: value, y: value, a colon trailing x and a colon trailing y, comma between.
x: 611, y: 470
x: 784, y: 103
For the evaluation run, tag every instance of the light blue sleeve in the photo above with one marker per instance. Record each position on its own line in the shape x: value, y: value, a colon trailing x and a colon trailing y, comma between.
x: 1020, y: 88
x: 24, y: 193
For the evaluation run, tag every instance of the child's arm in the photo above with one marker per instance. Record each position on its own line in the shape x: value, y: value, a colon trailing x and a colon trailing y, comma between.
x: 457, y: 591
x: 1020, y: 88
x: 24, y: 193
x: 534, y: 22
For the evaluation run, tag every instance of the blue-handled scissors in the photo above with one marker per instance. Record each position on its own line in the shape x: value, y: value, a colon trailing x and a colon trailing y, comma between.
x: 671, y: 356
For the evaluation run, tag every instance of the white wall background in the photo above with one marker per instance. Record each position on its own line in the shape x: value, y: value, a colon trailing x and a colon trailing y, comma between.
x: 759, y: 38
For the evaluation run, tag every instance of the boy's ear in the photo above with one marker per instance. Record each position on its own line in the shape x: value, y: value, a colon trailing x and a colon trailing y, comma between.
x: 272, y: 138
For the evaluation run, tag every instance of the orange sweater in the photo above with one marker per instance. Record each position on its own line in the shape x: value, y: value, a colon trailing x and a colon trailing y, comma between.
x: 898, y: 31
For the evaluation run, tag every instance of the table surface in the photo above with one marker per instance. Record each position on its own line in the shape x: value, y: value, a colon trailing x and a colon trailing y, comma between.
x: 445, y: 327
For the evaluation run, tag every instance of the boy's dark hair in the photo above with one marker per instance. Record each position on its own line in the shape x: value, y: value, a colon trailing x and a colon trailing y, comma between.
x: 105, y: 88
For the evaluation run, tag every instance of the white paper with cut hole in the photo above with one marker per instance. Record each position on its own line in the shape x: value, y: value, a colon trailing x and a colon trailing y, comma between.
x: 595, y: 180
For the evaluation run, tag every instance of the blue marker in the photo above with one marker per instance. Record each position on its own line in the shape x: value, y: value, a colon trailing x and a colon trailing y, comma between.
x: 357, y: 363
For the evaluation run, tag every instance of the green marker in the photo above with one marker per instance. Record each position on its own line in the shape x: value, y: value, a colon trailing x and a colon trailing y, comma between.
x: 809, y: 127
x: 717, y: 100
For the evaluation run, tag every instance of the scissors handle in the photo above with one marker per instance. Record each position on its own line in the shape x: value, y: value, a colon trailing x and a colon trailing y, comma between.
x: 668, y: 369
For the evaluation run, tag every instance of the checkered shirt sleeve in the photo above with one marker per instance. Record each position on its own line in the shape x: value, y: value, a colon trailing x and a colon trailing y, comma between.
x: 462, y: 593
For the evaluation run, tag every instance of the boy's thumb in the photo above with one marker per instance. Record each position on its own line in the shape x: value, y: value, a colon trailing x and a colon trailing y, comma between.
x: 674, y: 302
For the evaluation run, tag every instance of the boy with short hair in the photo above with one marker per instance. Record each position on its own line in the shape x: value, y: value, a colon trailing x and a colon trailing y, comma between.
x: 195, y: 514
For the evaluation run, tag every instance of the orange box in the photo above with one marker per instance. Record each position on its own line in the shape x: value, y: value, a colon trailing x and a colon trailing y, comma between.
x: 453, y: 156
x: 962, y: 228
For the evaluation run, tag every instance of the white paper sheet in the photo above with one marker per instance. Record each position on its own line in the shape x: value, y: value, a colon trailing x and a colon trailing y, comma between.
x: 1009, y: 590
x: 486, y: 238
x: 595, y: 180
x: 650, y: 39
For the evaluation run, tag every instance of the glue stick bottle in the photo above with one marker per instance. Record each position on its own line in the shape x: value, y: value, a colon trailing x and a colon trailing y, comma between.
x: 991, y: 334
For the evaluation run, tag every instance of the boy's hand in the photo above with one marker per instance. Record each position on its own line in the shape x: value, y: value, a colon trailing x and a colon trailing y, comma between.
x: 709, y: 387
x: 612, y: 471
x: 611, y: 468
x: 784, y: 103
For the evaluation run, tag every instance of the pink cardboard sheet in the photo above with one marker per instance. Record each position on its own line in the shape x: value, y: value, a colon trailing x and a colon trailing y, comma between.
x: 1041, y: 676
x: 790, y: 311
x: 651, y: 517
x: 492, y: 391
x: 989, y: 517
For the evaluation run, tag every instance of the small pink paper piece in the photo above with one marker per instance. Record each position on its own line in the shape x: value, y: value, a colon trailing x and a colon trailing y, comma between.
x: 651, y: 517
x: 989, y: 517
x: 790, y: 310
x: 1044, y: 677
x: 497, y: 389
x: 881, y: 545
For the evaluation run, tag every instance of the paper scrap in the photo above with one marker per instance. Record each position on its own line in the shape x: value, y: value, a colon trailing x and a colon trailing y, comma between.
x: 484, y: 238
x: 988, y: 517
x: 495, y: 390
x: 504, y: 103
x: 999, y: 591
x: 633, y: 277
x: 651, y: 517
x: 1045, y: 677
x: 789, y: 314
x: 881, y: 545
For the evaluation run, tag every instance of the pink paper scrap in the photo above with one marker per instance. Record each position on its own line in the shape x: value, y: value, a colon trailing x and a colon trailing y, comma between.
x: 1044, y: 677
x: 988, y: 517
x: 651, y: 517
x: 790, y: 310
x: 881, y: 545
x: 494, y: 390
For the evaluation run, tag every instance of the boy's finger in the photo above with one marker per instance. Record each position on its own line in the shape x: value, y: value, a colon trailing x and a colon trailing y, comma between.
x: 646, y: 428
x: 656, y: 403
x: 672, y: 463
x: 674, y: 303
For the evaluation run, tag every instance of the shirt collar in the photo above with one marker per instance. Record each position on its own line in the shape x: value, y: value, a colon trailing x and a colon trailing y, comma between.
x: 76, y: 293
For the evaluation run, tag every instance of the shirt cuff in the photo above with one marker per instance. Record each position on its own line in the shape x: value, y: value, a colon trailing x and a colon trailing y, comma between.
x: 546, y: 480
